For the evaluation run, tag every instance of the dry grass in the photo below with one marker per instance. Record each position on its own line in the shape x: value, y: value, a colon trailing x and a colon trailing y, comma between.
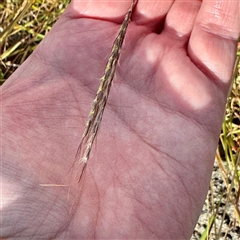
x: 25, y: 23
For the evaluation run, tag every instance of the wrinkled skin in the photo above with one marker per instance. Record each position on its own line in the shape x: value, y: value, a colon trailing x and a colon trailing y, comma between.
x: 149, y: 170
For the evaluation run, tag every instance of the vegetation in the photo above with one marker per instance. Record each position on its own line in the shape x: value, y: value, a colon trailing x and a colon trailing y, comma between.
x: 24, y: 23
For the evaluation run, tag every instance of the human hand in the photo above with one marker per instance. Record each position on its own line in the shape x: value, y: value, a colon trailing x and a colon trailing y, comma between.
x: 149, y: 170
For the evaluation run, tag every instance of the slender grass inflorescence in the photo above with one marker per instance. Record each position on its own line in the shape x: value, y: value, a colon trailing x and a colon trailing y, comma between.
x: 99, y: 103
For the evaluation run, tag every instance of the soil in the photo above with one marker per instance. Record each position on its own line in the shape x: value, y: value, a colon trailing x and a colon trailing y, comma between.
x: 230, y: 229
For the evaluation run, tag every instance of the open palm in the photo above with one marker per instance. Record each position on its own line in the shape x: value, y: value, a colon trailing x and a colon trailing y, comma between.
x: 149, y: 169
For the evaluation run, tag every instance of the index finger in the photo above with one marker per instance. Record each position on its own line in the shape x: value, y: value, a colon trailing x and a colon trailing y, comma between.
x: 107, y: 9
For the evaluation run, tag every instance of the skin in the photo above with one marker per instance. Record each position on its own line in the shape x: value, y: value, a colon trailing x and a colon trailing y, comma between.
x: 149, y: 170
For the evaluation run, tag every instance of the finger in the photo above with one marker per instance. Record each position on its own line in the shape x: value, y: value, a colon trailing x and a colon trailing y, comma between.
x: 151, y: 14
x: 146, y: 13
x: 112, y: 10
x: 213, y: 41
x: 180, y: 19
